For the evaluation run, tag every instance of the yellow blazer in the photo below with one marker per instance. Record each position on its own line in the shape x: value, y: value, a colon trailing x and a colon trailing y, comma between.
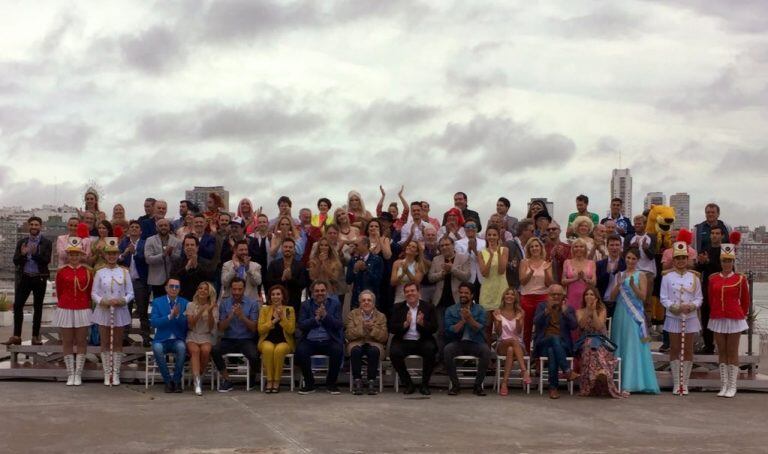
x: 288, y: 323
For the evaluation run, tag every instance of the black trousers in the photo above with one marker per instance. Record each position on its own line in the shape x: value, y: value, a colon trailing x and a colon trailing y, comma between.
x: 467, y: 348
x: 27, y: 284
x: 706, y: 334
x: 141, y: 297
x: 425, y: 348
x: 333, y: 350
x: 371, y: 354
x: 247, y: 347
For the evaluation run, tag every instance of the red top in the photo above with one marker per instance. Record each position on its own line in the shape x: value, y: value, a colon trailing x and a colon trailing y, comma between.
x: 728, y: 296
x: 73, y: 287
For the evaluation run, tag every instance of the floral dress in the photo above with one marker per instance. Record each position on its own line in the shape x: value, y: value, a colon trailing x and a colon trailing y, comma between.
x: 597, y: 360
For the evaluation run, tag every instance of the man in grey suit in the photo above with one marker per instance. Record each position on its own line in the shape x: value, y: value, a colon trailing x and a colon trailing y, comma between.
x: 447, y: 267
x: 160, y: 252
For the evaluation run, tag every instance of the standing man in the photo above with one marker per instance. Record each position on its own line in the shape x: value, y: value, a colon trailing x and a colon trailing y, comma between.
x: 192, y: 269
x: 703, y: 230
x: 557, y: 251
x: 149, y: 209
x: 322, y: 330
x: 502, y: 208
x: 708, y: 264
x: 447, y: 272
x: 472, y: 245
x: 624, y: 226
x: 460, y: 202
x: 414, y: 228
x: 170, y: 323
x: 289, y: 272
x: 242, y: 267
x: 160, y: 252
x: 364, y: 272
x: 607, y: 270
x: 31, y: 257
x: 464, y: 326
x: 185, y: 206
x: 259, y: 248
x: 516, y: 246
x: 284, y: 206
x: 149, y: 224
x: 132, y: 257
x: 413, y: 325
x: 582, y: 203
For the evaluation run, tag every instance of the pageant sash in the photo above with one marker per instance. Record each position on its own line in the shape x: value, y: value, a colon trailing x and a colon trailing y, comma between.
x: 635, y: 308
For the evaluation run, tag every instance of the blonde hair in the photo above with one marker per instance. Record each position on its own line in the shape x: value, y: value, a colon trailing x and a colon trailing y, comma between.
x: 211, y: 294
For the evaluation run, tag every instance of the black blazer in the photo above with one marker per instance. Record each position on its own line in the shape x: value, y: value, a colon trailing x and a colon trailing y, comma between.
x: 295, y: 285
x: 400, y: 314
x: 604, y: 277
x: 42, y: 258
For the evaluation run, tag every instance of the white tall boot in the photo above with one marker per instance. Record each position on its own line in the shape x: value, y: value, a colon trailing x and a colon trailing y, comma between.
x: 674, y: 367
x: 105, y: 358
x: 198, y: 385
x: 69, y: 362
x: 724, y: 373
x: 79, y: 364
x: 118, y: 362
x: 687, y: 366
x: 733, y: 375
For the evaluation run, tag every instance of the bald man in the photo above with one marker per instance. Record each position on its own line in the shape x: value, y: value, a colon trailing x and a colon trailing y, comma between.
x: 554, y: 322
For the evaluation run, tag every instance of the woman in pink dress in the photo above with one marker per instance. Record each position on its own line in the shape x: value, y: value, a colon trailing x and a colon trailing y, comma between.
x: 508, y: 324
x: 578, y: 273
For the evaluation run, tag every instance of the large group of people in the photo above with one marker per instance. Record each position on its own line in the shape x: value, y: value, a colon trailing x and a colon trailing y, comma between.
x: 345, y: 283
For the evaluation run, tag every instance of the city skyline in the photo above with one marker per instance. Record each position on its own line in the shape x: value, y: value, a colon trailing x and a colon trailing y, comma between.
x: 288, y: 97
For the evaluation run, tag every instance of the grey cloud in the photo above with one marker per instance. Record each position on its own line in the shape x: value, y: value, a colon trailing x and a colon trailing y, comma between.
x: 508, y: 145
x: 56, y: 136
x: 605, y: 23
x: 212, y: 121
x: 723, y: 93
x: 155, y: 50
x: 747, y: 16
x: 741, y: 161
x: 469, y: 84
x: 65, y: 23
x: 390, y: 116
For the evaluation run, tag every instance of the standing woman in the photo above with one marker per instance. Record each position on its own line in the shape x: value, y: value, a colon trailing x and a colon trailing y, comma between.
x: 98, y: 249
x: 74, y: 230
x: 508, y: 321
x: 73, y: 312
x: 409, y: 269
x: 277, y: 323
x: 629, y: 330
x: 381, y: 245
x: 729, y: 306
x: 112, y: 290
x: 535, y: 278
x: 534, y: 208
x: 285, y: 228
x: 582, y: 227
x: 348, y: 233
x: 322, y: 218
x: 324, y: 264
x: 492, y: 262
x: 213, y: 204
x: 119, y: 219
x: 578, y: 273
x: 245, y: 211
x: 202, y: 317
x: 358, y: 215
x: 597, y: 360
x: 91, y: 201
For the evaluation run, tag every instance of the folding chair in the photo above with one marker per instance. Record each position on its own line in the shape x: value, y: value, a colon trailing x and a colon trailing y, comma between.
x: 286, y: 373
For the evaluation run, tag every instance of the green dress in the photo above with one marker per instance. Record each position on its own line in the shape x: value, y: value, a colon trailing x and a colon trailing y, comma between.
x: 494, y: 284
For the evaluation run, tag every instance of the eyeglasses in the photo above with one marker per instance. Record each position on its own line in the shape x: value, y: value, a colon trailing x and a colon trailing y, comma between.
x: 470, y: 226
x: 174, y: 286
x: 552, y: 229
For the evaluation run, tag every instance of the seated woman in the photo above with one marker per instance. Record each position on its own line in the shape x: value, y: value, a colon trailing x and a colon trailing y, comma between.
x: 202, y: 317
x: 365, y: 329
x: 597, y: 360
x: 277, y: 323
x: 508, y: 323
x: 629, y: 330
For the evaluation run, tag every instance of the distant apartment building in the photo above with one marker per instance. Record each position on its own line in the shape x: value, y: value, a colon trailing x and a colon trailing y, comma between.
x: 681, y: 202
x: 621, y: 187
x: 654, y: 198
x: 199, y: 195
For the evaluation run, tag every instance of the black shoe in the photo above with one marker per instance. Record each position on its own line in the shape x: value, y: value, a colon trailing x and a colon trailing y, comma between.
x: 409, y: 389
x: 664, y: 349
x: 226, y: 386
x: 424, y: 390
x: 357, y: 387
x: 306, y: 390
x: 177, y: 388
x: 454, y: 391
x: 478, y: 391
x: 169, y: 387
x: 333, y: 390
x: 146, y: 343
x: 373, y: 388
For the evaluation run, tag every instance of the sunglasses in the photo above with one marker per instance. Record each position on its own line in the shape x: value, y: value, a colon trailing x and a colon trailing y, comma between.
x: 470, y: 226
x: 174, y: 286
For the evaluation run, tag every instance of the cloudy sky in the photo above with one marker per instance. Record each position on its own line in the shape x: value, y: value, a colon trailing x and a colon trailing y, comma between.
x: 309, y: 98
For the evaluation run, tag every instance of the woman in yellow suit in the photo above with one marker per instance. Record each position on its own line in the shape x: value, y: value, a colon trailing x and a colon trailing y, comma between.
x: 277, y: 323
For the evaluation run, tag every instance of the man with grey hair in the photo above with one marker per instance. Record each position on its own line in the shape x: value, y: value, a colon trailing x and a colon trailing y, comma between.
x: 161, y: 250
x: 149, y: 225
x: 554, y: 322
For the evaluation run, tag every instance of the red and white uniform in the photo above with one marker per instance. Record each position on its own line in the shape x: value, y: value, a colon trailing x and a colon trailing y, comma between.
x: 728, y: 303
x: 73, y: 290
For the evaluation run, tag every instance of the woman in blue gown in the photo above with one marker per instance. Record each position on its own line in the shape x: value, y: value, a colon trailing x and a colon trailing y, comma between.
x: 629, y: 330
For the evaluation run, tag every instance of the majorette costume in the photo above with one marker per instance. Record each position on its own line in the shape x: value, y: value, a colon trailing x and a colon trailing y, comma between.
x: 729, y: 306
x: 680, y: 293
x: 108, y: 284
x: 73, y: 308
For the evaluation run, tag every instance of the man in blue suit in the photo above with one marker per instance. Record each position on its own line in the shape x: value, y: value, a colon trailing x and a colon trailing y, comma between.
x: 554, y: 322
x: 132, y: 258
x: 607, y: 270
x: 322, y: 333
x: 170, y: 325
x: 364, y: 272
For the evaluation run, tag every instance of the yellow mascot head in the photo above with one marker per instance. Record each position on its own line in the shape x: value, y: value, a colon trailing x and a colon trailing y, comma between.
x: 660, y: 220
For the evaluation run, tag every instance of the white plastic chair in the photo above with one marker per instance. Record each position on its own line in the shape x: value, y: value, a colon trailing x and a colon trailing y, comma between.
x: 287, y: 372
x: 414, y: 372
x: 515, y: 376
x: 236, y: 370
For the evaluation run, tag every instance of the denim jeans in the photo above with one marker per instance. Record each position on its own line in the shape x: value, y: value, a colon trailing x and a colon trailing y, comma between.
x: 176, y: 347
x: 552, y: 346
x: 371, y: 354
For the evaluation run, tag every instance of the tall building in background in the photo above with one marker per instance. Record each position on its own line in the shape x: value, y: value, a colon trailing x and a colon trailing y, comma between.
x: 681, y: 202
x: 654, y: 198
x: 550, y: 205
x: 621, y: 187
x: 199, y: 195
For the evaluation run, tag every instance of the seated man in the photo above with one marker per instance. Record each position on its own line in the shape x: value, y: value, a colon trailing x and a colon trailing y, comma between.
x: 413, y: 325
x: 170, y: 325
x: 464, y: 325
x: 238, y: 323
x: 554, y: 322
x: 322, y: 334
x: 366, y: 331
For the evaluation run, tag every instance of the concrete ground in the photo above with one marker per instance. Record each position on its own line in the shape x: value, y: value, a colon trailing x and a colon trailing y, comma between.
x: 50, y: 417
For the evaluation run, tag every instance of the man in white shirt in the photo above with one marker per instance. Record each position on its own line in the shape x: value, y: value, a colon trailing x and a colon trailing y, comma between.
x: 414, y: 228
x: 471, y: 245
